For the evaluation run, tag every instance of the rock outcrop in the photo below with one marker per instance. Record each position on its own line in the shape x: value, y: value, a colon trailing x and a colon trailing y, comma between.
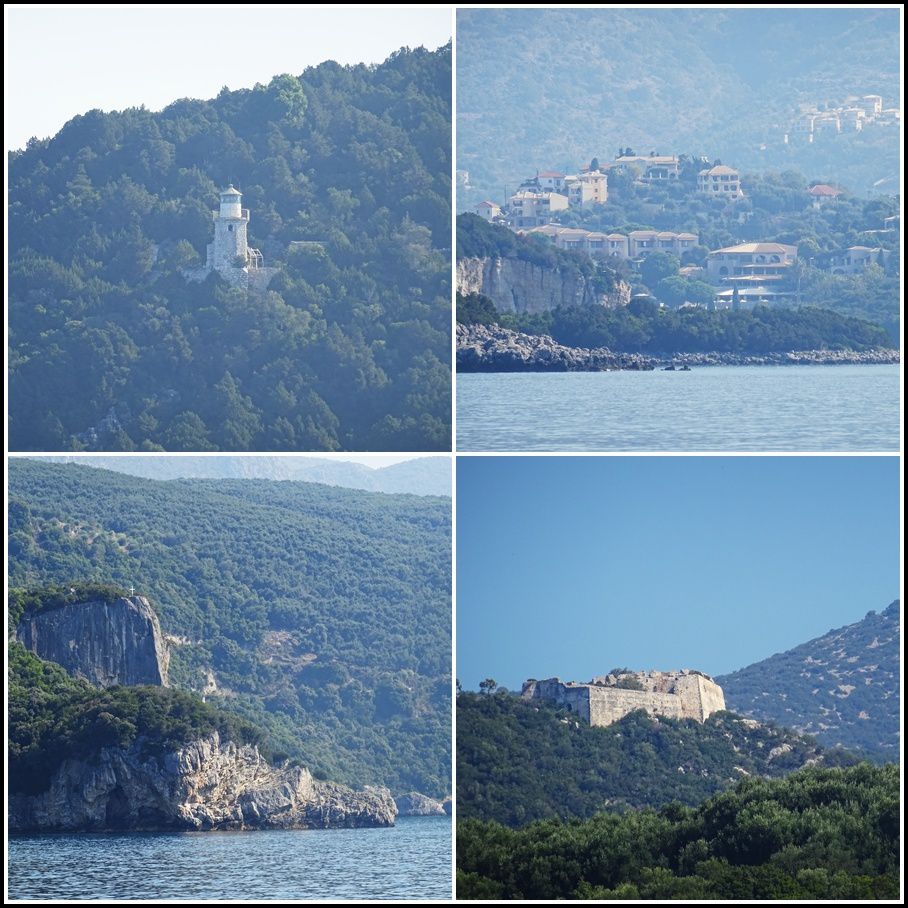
x: 415, y: 804
x: 106, y: 643
x: 881, y: 356
x: 515, y: 285
x: 490, y: 348
x: 206, y: 785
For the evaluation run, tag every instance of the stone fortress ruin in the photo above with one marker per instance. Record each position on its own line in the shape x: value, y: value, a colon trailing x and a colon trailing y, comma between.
x: 685, y: 694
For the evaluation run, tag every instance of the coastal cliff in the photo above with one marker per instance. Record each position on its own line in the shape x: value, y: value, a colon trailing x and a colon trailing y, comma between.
x: 208, y: 784
x: 106, y: 643
x: 516, y: 285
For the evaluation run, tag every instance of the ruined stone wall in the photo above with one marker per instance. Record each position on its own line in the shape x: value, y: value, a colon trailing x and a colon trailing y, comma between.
x: 573, y: 697
x: 675, y: 695
x: 609, y: 704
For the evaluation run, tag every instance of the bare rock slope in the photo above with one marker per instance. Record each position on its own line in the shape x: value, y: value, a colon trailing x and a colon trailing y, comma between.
x: 106, y: 643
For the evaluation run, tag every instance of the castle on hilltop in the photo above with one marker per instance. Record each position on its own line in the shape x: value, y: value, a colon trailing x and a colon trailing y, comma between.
x: 687, y: 694
x: 230, y: 253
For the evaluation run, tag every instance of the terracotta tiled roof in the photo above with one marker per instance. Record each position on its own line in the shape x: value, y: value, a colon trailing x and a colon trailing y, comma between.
x: 824, y: 189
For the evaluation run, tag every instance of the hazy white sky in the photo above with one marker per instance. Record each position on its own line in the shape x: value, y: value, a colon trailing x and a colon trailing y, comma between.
x: 61, y: 61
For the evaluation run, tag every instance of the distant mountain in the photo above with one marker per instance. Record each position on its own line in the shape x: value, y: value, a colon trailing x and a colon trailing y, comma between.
x: 842, y: 687
x: 519, y: 761
x: 551, y: 88
x: 422, y: 476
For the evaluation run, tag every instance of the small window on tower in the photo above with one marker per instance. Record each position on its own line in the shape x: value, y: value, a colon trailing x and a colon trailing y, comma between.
x: 230, y: 228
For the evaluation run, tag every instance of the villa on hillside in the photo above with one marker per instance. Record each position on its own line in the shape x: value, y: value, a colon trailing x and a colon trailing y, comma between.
x: 751, y: 260
x: 634, y: 246
x: 654, y: 168
x: 822, y: 194
x: 721, y: 181
x: 590, y: 188
x: 854, y: 259
x: 754, y: 272
x: 487, y: 210
x: 533, y: 209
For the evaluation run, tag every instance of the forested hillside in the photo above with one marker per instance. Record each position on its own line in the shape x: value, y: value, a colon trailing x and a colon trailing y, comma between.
x: 842, y: 687
x: 519, y: 761
x: 548, y: 89
x: 818, y: 834
x: 112, y: 349
x: 320, y: 614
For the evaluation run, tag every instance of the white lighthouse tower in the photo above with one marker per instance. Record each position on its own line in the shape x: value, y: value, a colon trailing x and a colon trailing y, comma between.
x: 230, y: 249
x: 230, y: 253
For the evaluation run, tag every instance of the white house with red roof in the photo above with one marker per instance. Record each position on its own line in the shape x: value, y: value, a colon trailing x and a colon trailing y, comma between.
x: 550, y: 181
x: 823, y: 194
x: 487, y: 210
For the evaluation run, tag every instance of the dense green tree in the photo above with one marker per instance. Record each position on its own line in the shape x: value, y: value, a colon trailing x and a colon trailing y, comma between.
x: 657, y: 266
x: 813, y: 835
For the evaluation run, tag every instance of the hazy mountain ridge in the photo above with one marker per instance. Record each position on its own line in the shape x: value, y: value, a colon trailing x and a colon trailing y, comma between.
x: 421, y: 476
x: 544, y: 89
x: 842, y: 687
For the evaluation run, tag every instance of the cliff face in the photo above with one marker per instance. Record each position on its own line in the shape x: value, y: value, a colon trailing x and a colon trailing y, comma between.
x: 206, y: 785
x: 517, y: 286
x: 105, y: 643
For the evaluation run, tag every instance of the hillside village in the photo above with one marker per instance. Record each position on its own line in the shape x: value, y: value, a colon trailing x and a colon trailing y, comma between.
x: 853, y: 114
x: 569, y: 209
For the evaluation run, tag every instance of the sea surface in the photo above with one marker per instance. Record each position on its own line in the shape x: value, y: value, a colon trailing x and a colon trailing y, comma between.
x: 409, y: 861
x: 714, y: 408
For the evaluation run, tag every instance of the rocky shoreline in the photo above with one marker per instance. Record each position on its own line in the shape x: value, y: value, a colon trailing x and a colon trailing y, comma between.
x: 490, y: 348
x: 207, y: 784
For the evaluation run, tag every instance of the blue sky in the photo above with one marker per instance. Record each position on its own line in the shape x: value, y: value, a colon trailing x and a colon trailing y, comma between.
x: 74, y: 59
x: 571, y: 566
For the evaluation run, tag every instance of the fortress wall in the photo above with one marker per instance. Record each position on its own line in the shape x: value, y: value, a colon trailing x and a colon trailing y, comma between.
x: 609, y: 704
x: 574, y: 698
x: 711, y: 696
x: 674, y: 695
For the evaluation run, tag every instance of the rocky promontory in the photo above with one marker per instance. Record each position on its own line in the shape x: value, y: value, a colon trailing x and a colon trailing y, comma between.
x: 106, y: 643
x: 490, y: 348
x: 208, y: 784
x: 415, y: 804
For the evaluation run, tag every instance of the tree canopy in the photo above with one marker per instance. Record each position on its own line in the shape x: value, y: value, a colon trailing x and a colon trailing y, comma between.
x: 817, y: 834
x: 111, y: 348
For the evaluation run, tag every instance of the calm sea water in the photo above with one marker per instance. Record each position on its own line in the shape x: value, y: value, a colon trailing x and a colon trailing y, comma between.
x: 715, y: 408
x: 410, y: 861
